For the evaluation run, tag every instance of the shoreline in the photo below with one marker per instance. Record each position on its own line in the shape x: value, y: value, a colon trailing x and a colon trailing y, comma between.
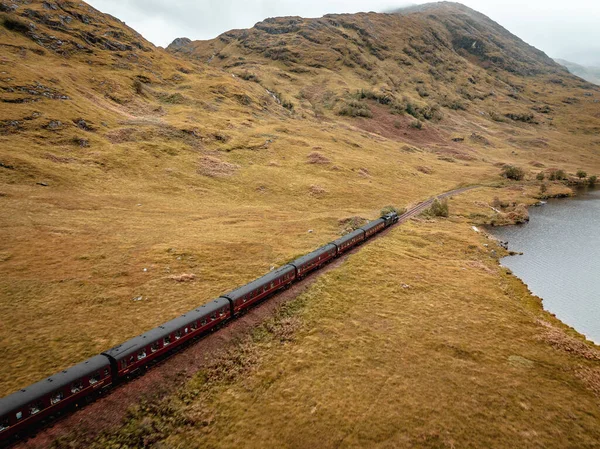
x: 577, y: 191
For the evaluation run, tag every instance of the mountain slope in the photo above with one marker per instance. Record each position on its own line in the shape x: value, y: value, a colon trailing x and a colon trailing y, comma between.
x: 591, y: 74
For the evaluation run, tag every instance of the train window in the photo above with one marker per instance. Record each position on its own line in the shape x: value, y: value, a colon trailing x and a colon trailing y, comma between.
x: 106, y: 372
x: 213, y: 316
x: 141, y: 355
x: 194, y: 325
x: 221, y: 312
x: 4, y: 424
x: 131, y: 360
x: 76, y: 387
x: 185, y: 331
x: 19, y: 415
x: 244, y: 299
x: 272, y: 284
x: 177, y: 335
x: 155, y: 347
x: 96, y: 377
x: 204, y: 322
x: 34, y: 408
x: 57, y: 397
x: 123, y: 364
x: 265, y: 288
x: 167, y: 340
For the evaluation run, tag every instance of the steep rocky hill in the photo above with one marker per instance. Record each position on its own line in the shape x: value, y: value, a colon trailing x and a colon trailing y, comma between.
x: 428, y: 62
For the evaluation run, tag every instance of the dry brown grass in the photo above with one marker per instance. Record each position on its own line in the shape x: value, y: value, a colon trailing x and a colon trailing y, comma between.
x: 418, y: 340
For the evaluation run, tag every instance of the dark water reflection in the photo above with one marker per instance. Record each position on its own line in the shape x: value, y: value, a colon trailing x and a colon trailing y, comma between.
x: 561, y: 261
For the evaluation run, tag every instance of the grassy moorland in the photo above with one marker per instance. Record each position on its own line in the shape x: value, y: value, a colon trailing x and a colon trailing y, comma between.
x: 123, y: 166
x: 420, y: 339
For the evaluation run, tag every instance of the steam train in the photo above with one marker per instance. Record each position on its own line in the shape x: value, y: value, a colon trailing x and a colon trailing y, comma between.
x: 32, y: 405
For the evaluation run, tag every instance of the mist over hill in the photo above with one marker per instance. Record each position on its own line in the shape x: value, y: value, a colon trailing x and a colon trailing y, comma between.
x: 591, y: 74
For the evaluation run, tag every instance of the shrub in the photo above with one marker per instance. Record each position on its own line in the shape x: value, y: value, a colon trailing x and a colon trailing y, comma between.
x: 581, y: 174
x: 287, y: 104
x: 380, y: 98
x: 417, y: 124
x: 559, y: 175
x: 356, y: 109
x: 247, y: 76
x: 438, y: 208
x: 512, y: 172
x: 540, y: 176
x: 422, y: 92
x: 543, y: 188
x: 592, y: 180
x: 390, y: 209
x: 525, y: 118
x: 138, y: 87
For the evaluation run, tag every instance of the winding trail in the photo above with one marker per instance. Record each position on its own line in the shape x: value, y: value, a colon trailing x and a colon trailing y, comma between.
x: 108, y: 411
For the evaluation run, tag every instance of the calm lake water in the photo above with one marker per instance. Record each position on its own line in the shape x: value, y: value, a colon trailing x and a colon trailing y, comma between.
x: 561, y: 261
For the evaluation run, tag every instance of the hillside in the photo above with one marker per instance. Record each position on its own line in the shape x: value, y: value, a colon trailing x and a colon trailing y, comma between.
x: 591, y: 74
x: 124, y: 166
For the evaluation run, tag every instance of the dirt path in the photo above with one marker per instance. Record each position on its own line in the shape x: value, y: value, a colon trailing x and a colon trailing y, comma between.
x: 109, y: 411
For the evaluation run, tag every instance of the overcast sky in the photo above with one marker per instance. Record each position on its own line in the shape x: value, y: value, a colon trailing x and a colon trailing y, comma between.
x: 563, y: 29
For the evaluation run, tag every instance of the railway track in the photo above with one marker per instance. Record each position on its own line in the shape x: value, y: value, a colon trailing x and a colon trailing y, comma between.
x: 108, y: 410
x: 426, y: 204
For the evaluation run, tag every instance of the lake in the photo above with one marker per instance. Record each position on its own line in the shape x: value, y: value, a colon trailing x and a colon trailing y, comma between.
x: 561, y: 261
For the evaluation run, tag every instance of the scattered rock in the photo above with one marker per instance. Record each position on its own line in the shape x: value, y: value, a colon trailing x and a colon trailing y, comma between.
x: 43, y: 184
x: 478, y: 138
x: 351, y: 224
x: 54, y: 125
x: 137, y: 298
x: 185, y: 277
x: 81, y: 123
x: 310, y: 231
x: 215, y: 168
x: 317, y: 158
x: 316, y: 190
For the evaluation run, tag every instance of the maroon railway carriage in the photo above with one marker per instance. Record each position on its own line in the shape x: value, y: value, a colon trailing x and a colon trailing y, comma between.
x: 374, y: 227
x: 244, y: 297
x: 49, y: 396
x: 349, y: 241
x: 314, y: 260
x: 141, y: 350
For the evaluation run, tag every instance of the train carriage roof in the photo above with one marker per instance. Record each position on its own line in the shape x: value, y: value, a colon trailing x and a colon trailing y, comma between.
x: 300, y: 261
x: 357, y: 233
x: 136, y: 344
x: 259, y: 283
x: 22, y: 398
x: 372, y: 224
